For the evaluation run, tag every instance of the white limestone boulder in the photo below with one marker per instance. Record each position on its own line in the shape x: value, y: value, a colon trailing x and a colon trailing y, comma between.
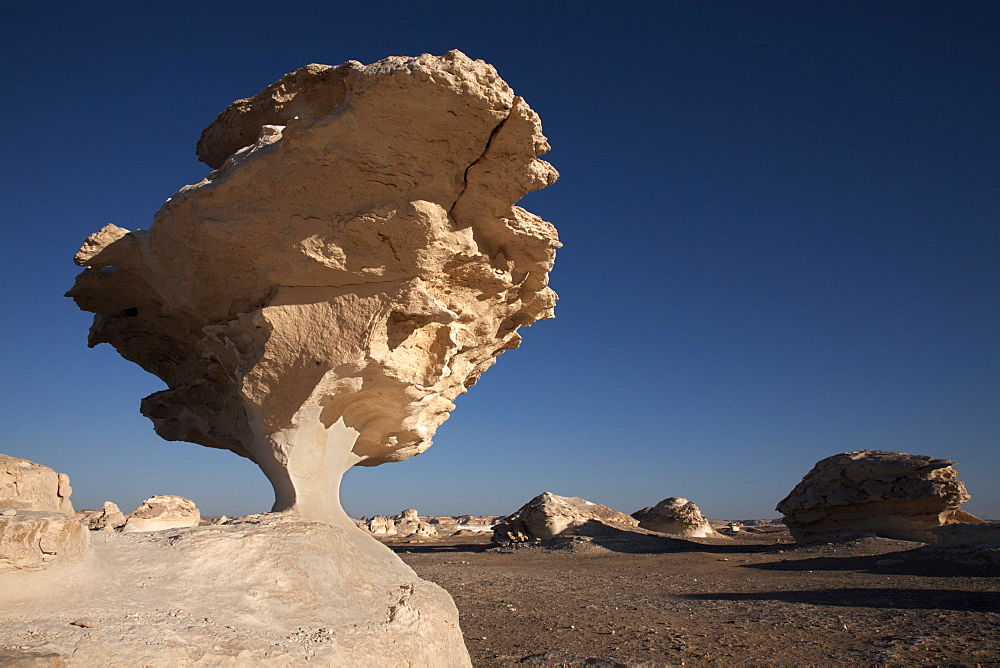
x: 266, y: 590
x: 163, y: 511
x: 410, y: 524
x: 549, y: 515
x: 35, y: 539
x: 109, y: 518
x: 25, y: 485
x: 676, y: 516
x: 875, y: 492
x: 382, y: 525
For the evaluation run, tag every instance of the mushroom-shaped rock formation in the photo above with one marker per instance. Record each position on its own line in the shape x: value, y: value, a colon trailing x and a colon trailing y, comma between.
x: 888, y: 494
x: 410, y: 524
x: 163, y: 511
x: 549, y: 515
x: 353, y: 264
x: 676, y: 516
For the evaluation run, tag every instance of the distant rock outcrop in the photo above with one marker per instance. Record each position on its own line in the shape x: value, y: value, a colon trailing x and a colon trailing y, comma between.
x: 549, y: 515
x: 382, y: 525
x: 163, y: 511
x: 410, y: 524
x: 463, y: 525
x: 875, y: 492
x: 676, y: 516
x: 25, y: 485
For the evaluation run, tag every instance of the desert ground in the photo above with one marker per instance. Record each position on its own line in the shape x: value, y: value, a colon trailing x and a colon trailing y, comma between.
x: 753, y: 599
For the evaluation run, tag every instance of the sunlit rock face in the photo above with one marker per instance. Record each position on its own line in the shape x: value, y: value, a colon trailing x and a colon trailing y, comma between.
x: 353, y: 264
x: 875, y: 492
x: 549, y: 515
x: 163, y: 511
x: 38, y: 528
x: 676, y: 516
x: 25, y: 485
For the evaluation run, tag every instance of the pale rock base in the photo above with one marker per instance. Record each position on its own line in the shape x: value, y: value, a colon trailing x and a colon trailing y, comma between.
x: 32, y: 539
x: 265, y: 589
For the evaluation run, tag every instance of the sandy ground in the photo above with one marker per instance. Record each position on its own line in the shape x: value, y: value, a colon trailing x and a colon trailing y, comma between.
x: 753, y: 600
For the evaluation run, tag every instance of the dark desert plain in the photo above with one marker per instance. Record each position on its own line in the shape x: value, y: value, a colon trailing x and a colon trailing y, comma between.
x: 758, y: 600
x: 781, y: 230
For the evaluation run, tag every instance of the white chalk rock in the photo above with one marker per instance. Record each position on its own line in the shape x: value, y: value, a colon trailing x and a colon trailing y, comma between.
x: 33, y: 539
x: 269, y: 590
x: 676, y: 516
x: 163, y: 511
x: 549, y: 515
x: 354, y: 264
x: 25, y: 485
x: 875, y: 492
x: 109, y: 518
x: 381, y: 525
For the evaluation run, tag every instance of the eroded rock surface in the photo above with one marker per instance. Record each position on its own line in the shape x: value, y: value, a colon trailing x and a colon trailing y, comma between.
x: 676, y: 516
x: 260, y: 590
x: 163, y: 511
x: 33, y: 539
x: 976, y: 543
x: 549, y: 515
x: 25, y: 485
x: 109, y: 518
x: 355, y: 262
x: 875, y: 492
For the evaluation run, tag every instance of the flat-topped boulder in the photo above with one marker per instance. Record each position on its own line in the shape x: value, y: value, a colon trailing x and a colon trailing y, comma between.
x: 676, y: 516
x: 163, y: 511
x: 875, y: 492
x: 549, y: 515
x: 25, y: 485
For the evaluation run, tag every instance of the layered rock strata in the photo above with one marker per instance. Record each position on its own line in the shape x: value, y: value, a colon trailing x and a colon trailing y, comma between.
x: 676, y: 516
x: 549, y: 515
x: 875, y: 492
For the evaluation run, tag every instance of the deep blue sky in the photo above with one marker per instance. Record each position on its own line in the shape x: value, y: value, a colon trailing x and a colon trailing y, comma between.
x: 781, y: 225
